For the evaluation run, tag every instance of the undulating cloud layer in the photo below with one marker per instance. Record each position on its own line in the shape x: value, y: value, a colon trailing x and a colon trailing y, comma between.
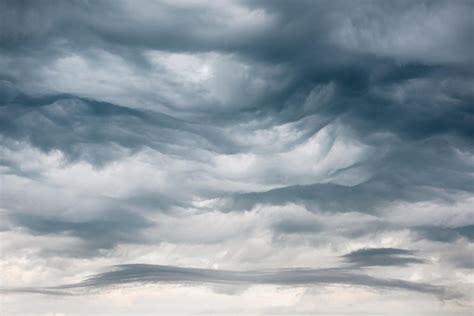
x: 236, y: 157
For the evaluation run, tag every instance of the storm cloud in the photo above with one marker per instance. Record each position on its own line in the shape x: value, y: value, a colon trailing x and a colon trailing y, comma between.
x: 243, y: 139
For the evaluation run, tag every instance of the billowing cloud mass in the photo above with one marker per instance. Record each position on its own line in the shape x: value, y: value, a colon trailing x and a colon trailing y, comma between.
x: 236, y: 157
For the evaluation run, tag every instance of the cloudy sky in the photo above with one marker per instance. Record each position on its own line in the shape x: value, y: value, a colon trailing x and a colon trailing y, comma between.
x: 236, y: 157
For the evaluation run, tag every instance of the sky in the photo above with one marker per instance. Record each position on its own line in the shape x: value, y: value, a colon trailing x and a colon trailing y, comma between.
x: 236, y: 157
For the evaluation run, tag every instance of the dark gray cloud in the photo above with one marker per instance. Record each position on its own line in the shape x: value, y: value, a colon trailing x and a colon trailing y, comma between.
x: 367, y: 197
x: 97, y: 132
x: 373, y: 94
x: 320, y: 124
x: 411, y: 105
x: 104, y: 230
x: 446, y: 234
x: 147, y: 273
x: 295, y: 23
x: 382, y: 257
x: 307, y: 38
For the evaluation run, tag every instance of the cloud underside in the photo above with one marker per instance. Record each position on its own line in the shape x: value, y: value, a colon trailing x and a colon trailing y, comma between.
x: 239, y: 134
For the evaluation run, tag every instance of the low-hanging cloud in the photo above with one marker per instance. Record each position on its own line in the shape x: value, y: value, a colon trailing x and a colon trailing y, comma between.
x: 239, y: 134
x: 155, y: 274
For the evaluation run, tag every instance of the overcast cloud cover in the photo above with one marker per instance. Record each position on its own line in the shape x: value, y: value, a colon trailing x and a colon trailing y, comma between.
x: 237, y: 157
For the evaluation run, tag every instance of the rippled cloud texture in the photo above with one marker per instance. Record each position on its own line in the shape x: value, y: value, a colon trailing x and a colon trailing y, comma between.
x: 236, y: 157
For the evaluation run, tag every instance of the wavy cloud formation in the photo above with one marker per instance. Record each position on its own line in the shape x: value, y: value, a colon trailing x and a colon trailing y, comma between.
x: 253, y: 136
